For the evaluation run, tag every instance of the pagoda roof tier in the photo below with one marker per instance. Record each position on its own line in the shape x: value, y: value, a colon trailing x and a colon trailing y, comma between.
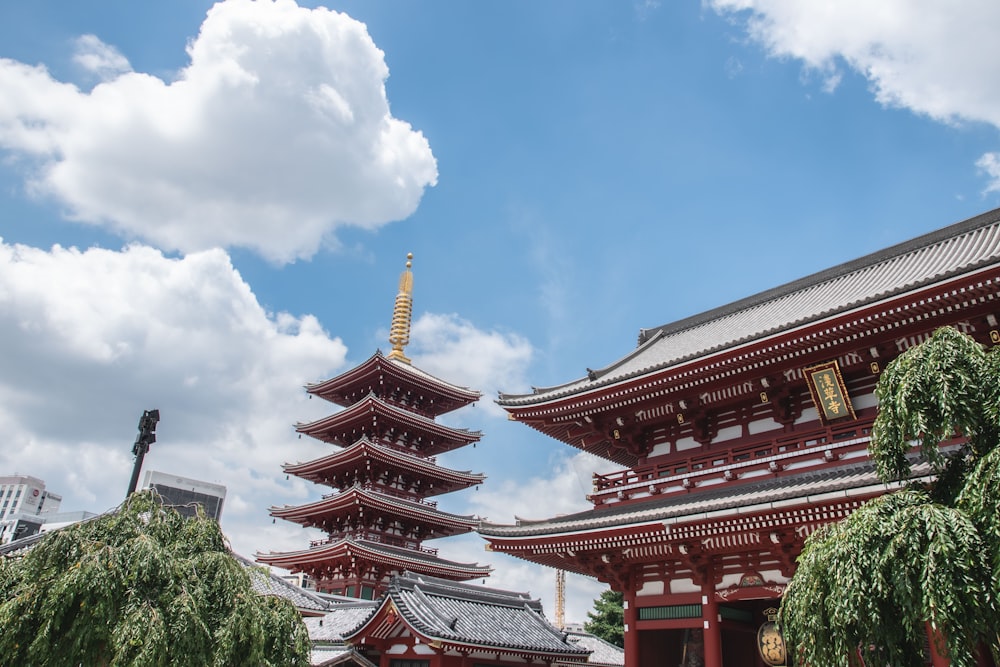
x: 365, y: 457
x: 462, y: 618
x: 397, y: 381
x: 346, y: 554
x: 378, y: 420
x: 904, y: 290
x: 351, y: 502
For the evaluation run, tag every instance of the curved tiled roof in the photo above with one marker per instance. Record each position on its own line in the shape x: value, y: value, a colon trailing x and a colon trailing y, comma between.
x: 364, y: 410
x: 330, y: 656
x: 378, y: 363
x: 364, y: 450
x: 751, y: 495
x: 601, y: 652
x: 954, y: 250
x: 339, y: 620
x: 354, y: 499
x: 266, y: 583
x: 467, y: 615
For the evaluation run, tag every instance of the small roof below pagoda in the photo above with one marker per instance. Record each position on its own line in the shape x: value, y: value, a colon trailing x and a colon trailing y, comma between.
x: 601, y: 652
x: 326, y: 634
x: 431, y: 395
x: 265, y: 582
x: 958, y: 249
x: 465, y: 616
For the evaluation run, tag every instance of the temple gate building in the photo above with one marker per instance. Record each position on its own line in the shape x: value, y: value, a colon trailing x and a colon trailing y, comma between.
x: 382, y: 470
x: 741, y: 430
x: 429, y: 622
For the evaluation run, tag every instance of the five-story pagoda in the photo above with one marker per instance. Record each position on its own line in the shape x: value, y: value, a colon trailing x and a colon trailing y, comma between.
x: 382, y: 473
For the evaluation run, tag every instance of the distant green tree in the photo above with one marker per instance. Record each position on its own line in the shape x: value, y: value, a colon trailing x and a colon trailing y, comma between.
x: 926, y: 555
x: 607, y: 620
x: 141, y: 586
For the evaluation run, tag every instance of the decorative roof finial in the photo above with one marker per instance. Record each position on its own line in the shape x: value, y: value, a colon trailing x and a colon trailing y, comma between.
x: 402, y: 313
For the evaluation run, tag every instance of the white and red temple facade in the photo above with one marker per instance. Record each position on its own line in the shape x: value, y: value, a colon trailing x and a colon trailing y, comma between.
x: 382, y: 470
x: 741, y: 430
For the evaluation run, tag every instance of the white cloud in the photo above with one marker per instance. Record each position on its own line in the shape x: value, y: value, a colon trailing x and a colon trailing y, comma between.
x: 453, y: 349
x: 276, y: 133
x: 934, y: 58
x: 92, y: 338
x: 99, y: 58
x: 564, y: 486
x: 989, y: 164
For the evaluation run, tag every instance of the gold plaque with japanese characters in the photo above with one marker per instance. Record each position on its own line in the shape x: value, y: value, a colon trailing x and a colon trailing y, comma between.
x: 829, y: 393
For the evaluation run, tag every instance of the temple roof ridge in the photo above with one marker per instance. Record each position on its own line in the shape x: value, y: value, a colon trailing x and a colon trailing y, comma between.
x: 408, y: 369
x: 925, y: 241
x: 592, y: 373
x: 437, y: 586
x: 958, y: 249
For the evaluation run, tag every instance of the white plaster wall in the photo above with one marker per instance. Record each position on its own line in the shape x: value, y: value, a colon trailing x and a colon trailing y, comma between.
x: 651, y: 588
x: 687, y: 443
x: 763, y: 425
x: 808, y: 415
x: 728, y: 433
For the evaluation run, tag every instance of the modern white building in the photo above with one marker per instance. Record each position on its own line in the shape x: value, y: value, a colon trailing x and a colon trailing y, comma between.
x: 183, y: 493
x: 24, y: 506
x: 26, y: 494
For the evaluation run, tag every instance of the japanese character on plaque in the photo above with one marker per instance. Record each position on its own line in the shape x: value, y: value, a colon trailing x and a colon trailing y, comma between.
x: 829, y: 394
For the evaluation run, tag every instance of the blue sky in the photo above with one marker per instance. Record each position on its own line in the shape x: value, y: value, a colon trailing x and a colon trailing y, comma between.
x: 203, y: 211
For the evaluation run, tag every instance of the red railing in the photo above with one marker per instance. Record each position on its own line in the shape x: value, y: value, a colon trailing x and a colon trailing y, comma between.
x: 388, y: 491
x: 378, y: 538
x: 834, y: 438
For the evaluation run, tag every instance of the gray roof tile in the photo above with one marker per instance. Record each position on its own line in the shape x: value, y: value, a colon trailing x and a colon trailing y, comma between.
x: 601, y: 652
x: 265, y: 582
x: 487, y: 617
x: 341, y: 618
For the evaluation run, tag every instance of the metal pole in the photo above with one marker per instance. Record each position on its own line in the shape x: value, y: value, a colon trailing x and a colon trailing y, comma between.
x: 146, y: 437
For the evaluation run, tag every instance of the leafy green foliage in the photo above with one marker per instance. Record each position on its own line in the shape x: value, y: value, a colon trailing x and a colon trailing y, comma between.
x: 876, y: 577
x: 607, y: 620
x: 142, y: 586
x: 916, y: 556
x: 980, y: 500
x: 927, y: 395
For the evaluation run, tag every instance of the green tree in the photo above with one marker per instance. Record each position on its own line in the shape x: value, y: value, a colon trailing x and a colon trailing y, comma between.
x: 925, y: 555
x: 141, y: 586
x: 607, y: 620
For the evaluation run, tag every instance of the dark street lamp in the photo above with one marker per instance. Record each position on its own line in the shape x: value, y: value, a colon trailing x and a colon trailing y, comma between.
x: 146, y: 437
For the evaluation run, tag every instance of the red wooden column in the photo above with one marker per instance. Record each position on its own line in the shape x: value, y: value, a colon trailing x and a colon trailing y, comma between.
x: 710, y: 616
x: 934, y: 636
x: 631, y: 628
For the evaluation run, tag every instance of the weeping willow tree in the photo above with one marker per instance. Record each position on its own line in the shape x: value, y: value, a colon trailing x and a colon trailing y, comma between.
x: 142, y: 586
x: 922, y: 557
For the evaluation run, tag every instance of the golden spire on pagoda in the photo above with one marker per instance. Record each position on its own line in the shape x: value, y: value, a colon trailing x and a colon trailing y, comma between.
x: 402, y: 313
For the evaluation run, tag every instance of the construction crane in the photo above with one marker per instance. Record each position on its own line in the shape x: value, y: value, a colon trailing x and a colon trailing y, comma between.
x: 561, y: 599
